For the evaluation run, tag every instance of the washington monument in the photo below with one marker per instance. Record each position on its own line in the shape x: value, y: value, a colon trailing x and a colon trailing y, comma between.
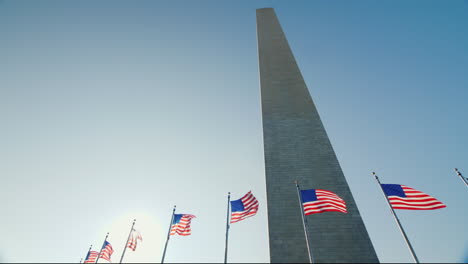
x: 297, y: 148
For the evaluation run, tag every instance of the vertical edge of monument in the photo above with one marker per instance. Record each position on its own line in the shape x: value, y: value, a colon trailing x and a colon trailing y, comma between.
x: 297, y: 148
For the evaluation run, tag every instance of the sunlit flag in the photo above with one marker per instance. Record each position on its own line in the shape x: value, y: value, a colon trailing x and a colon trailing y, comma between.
x: 404, y: 197
x: 134, y: 237
x: 91, y: 257
x: 246, y: 206
x: 318, y: 201
x: 106, y: 251
x: 181, y: 224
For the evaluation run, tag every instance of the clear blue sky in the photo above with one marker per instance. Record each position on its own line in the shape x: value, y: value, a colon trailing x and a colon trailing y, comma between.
x: 114, y: 110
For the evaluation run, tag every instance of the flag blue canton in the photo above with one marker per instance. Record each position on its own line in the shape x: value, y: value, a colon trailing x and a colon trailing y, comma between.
x: 177, y: 218
x: 105, y: 244
x: 237, y: 206
x: 308, y: 195
x: 393, y: 190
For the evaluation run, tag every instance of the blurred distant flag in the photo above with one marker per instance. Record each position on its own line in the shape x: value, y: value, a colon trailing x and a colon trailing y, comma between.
x: 91, y: 257
x: 318, y: 201
x: 404, y: 197
x: 106, y: 251
x: 246, y: 206
x: 181, y: 224
x: 134, y: 237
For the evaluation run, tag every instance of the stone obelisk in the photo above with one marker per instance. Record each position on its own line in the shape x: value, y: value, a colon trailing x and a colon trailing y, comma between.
x: 297, y: 148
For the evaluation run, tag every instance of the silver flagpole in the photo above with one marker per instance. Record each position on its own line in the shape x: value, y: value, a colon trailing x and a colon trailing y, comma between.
x: 416, y: 260
x: 304, y: 222
x: 227, y: 228
x: 465, y: 180
x: 126, y: 243
x: 99, y: 255
x: 168, y: 234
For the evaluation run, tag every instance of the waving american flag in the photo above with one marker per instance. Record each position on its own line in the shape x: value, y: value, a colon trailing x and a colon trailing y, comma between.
x: 181, y: 224
x: 91, y: 257
x: 246, y: 206
x: 134, y: 237
x: 106, y: 251
x: 318, y: 201
x: 404, y: 197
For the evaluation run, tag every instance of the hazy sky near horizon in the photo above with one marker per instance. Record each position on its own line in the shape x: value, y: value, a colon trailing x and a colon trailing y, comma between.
x: 115, y: 110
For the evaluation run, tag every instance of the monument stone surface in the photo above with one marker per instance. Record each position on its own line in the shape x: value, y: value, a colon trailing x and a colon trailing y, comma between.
x: 297, y: 148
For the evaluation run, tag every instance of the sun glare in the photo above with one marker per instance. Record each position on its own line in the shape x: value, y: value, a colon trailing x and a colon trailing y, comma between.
x: 147, y: 250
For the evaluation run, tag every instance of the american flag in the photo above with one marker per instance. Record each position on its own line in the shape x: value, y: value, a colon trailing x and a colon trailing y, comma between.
x: 181, y: 224
x: 91, y: 257
x: 106, y: 251
x: 317, y: 201
x: 404, y: 197
x: 246, y: 206
x: 134, y: 237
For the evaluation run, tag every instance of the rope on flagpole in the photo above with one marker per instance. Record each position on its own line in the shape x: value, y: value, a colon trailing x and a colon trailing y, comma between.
x: 168, y: 234
x: 416, y: 260
x: 304, y: 222
x: 99, y: 255
x: 129, y: 234
x: 465, y: 180
x: 227, y: 228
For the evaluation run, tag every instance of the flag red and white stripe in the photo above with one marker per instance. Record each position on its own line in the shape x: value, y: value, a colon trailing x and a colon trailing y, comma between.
x: 107, y: 251
x: 181, y: 224
x: 404, y: 197
x: 246, y: 206
x: 319, y: 201
x: 91, y: 257
x: 134, y: 237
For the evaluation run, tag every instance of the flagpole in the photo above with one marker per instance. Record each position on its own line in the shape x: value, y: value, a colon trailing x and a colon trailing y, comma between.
x: 99, y: 255
x: 465, y: 180
x: 416, y: 260
x: 304, y: 222
x: 168, y: 234
x: 125, y: 247
x: 81, y: 260
x: 227, y: 228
